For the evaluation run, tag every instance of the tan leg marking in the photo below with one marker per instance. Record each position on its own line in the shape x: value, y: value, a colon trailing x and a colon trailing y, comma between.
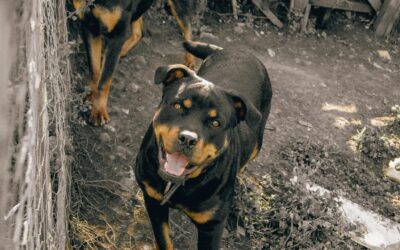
x: 165, y: 230
x: 133, y: 40
x: 253, y: 153
x: 95, y: 46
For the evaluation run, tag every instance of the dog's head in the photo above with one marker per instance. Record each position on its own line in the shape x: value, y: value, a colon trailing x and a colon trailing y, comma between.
x: 193, y: 124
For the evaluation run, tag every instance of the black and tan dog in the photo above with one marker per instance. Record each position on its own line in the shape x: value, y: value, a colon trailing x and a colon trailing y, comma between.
x: 110, y: 29
x: 206, y: 128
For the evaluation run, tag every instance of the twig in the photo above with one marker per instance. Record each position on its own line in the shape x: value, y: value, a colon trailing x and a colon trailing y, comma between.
x: 291, y: 229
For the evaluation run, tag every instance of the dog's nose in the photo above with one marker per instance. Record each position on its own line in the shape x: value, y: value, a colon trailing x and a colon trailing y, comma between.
x: 188, y: 138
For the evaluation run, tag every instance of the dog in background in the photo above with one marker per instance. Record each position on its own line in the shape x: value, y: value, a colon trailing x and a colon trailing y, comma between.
x: 110, y: 29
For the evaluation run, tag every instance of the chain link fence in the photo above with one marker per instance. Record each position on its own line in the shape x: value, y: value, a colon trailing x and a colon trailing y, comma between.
x: 34, y: 94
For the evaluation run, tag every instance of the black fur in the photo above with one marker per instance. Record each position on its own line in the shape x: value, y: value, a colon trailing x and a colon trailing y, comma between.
x: 241, y: 92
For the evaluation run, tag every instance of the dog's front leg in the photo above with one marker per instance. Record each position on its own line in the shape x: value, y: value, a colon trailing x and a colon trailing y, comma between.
x: 159, y: 220
x: 99, y: 114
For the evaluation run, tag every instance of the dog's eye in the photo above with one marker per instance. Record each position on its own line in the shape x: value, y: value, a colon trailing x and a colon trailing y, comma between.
x: 215, y: 123
x: 177, y: 106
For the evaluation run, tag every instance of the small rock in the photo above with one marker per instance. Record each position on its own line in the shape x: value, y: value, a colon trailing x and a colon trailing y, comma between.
x: 105, y: 137
x: 228, y: 39
x: 238, y: 30
x: 271, y: 53
x: 134, y: 87
x: 262, y: 32
x: 139, y: 62
x: 122, y: 152
x: 393, y: 171
x: 297, y: 60
x: 308, y: 63
x: 305, y: 124
x: 384, y: 54
x: 147, y: 247
x: 207, y: 35
x: 109, y: 127
x: 125, y: 111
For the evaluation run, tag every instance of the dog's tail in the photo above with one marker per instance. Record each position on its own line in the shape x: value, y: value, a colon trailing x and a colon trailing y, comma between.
x: 199, y: 49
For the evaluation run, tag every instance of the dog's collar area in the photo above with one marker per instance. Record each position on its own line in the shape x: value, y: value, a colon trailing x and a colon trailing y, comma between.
x: 173, y: 181
x: 169, y: 191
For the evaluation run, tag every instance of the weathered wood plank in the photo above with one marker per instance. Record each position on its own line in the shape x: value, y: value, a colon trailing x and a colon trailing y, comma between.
x: 298, y: 5
x: 343, y: 5
x: 304, y: 21
x: 235, y: 9
x: 376, y: 4
x: 387, y: 17
x: 268, y: 13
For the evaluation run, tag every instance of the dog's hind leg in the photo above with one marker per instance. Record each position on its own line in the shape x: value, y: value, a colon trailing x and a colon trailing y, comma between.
x: 183, y: 17
x: 136, y: 35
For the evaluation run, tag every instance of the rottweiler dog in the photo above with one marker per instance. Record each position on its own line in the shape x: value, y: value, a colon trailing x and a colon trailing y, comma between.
x: 208, y: 125
x: 110, y: 29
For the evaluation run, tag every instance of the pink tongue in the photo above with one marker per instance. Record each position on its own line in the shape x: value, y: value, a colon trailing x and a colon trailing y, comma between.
x: 176, y: 164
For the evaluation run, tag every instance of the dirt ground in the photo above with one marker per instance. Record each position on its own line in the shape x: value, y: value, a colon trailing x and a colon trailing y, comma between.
x: 327, y: 86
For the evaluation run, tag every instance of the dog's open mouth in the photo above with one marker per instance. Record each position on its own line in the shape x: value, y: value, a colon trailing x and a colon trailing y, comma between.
x: 173, y: 167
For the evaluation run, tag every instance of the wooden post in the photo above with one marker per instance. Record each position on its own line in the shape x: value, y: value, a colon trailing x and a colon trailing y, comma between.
x: 235, y: 9
x: 387, y: 17
x: 6, y: 53
x: 376, y: 4
x: 304, y: 21
x: 298, y: 5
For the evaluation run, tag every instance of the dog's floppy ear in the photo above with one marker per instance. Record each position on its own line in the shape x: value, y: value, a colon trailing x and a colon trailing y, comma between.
x: 245, y: 110
x: 171, y: 73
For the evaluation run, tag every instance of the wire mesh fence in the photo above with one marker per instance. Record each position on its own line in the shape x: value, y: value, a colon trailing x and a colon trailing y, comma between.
x: 34, y: 91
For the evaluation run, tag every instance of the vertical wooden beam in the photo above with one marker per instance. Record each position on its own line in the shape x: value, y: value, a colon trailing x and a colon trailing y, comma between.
x: 387, y: 17
x: 6, y: 53
x: 234, y: 8
x: 304, y: 21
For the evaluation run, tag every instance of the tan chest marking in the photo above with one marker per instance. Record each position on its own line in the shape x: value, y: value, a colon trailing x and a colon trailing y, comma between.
x: 109, y: 18
x: 200, y: 217
x: 79, y: 6
x: 150, y: 191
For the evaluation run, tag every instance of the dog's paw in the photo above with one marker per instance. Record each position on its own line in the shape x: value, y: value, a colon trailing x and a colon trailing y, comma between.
x: 90, y: 97
x: 189, y: 60
x: 99, y: 116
